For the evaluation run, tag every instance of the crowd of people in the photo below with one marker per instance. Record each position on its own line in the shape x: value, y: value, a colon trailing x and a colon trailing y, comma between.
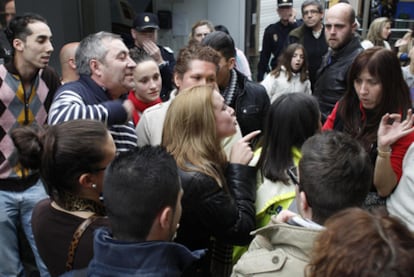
x: 139, y: 162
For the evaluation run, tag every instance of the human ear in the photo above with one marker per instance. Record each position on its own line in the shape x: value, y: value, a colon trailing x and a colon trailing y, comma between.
x: 18, y: 44
x: 86, y: 180
x: 178, y: 80
x: 95, y: 68
x: 305, y: 209
x: 166, y: 216
x: 231, y: 63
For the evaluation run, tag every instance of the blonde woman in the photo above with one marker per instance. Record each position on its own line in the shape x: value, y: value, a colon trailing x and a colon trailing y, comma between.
x: 378, y: 33
x: 199, y: 30
x: 219, y: 195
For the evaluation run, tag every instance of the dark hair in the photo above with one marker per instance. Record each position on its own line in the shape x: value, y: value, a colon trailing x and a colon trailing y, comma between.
x: 222, y: 28
x: 382, y: 242
x: 335, y: 173
x: 292, y: 118
x: 62, y: 152
x: 18, y: 27
x: 195, y: 52
x: 384, y: 66
x: 137, y: 186
x: 139, y: 55
x: 285, y: 60
x: 222, y: 43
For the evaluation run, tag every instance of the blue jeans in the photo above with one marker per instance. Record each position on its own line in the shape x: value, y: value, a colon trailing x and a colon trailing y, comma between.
x: 16, y: 208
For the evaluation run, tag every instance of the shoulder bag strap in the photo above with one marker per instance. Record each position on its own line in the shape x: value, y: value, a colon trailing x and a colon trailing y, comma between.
x: 76, y: 238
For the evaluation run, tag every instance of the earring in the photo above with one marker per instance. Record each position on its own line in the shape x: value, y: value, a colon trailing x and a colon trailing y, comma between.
x: 94, y: 186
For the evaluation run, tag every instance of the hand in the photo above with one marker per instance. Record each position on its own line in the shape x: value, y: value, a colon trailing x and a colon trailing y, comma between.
x: 129, y: 108
x: 283, y: 216
x: 241, y: 152
x: 153, y: 50
x: 390, y: 133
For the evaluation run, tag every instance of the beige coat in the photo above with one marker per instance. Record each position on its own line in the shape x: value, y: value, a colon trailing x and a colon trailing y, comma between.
x: 277, y: 250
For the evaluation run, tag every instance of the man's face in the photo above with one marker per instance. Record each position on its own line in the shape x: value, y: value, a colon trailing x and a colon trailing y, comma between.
x: 311, y: 16
x: 284, y: 13
x: 199, y: 73
x: 223, y: 75
x: 9, y: 11
x: 37, y: 47
x: 117, y: 69
x: 144, y: 35
x: 338, y: 28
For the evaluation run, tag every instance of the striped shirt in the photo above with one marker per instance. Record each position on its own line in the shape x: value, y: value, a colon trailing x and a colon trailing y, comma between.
x: 84, y: 99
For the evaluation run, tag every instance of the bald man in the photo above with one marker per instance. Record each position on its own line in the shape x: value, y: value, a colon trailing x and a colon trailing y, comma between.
x: 67, y: 62
x: 344, y: 46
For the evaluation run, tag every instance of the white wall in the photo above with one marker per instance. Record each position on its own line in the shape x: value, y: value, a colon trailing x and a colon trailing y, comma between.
x: 185, y: 13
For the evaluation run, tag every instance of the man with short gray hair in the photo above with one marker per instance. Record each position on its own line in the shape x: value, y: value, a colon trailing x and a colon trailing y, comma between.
x: 106, y: 75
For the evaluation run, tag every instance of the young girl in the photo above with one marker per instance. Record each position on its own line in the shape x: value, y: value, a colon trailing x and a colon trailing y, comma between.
x: 147, y: 79
x: 290, y: 75
x: 292, y: 118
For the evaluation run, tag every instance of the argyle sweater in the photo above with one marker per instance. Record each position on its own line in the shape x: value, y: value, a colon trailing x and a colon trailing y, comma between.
x: 19, y: 107
x: 85, y: 99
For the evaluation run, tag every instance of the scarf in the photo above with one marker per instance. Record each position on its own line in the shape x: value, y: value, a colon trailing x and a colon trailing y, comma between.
x: 140, y: 106
x: 228, y: 92
x: 74, y: 203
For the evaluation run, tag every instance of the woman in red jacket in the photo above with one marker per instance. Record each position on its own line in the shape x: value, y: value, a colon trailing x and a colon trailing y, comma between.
x: 375, y: 110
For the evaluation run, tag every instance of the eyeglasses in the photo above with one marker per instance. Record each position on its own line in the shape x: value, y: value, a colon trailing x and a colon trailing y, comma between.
x: 292, y: 172
x: 310, y: 12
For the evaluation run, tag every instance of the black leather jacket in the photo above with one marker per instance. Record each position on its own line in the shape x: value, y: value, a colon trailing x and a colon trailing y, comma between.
x: 251, y: 105
x: 331, y: 82
x: 209, y: 210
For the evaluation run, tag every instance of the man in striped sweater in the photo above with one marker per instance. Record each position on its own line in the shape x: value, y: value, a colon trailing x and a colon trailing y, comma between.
x: 106, y: 75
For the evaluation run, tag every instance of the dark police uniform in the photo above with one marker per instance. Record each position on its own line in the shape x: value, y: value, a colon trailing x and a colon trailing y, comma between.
x: 274, y: 38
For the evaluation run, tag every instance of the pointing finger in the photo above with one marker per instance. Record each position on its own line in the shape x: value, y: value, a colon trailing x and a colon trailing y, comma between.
x: 251, y: 135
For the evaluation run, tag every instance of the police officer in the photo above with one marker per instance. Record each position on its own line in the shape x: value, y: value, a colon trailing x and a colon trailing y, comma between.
x: 145, y: 34
x: 274, y: 38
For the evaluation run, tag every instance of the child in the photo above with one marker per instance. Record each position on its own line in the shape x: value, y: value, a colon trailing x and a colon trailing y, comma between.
x: 290, y: 75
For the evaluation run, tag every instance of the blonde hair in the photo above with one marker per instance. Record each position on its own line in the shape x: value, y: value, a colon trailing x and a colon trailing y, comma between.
x: 202, y: 22
x: 190, y: 135
x: 375, y: 30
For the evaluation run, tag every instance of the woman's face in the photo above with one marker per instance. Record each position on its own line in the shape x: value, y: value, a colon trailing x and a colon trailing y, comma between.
x: 201, y: 32
x: 368, y: 89
x: 386, y: 30
x: 297, y: 60
x: 147, y: 81
x: 224, y: 115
